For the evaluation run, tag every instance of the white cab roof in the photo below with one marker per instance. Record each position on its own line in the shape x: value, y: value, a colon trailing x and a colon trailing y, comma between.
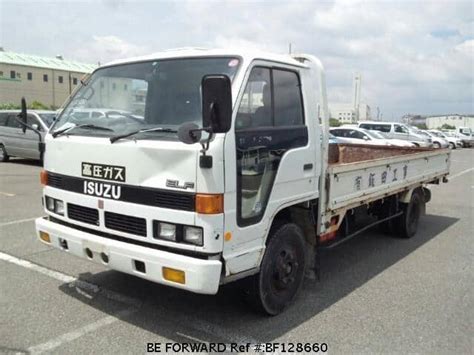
x: 246, y: 54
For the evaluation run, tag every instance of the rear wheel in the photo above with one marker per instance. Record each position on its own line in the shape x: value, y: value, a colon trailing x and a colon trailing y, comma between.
x: 3, y: 154
x: 407, y: 223
x: 452, y: 145
x: 436, y: 144
x: 281, y: 272
x: 416, y: 145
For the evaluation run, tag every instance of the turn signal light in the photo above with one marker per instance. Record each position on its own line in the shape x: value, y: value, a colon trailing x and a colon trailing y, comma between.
x: 209, y: 204
x: 174, y: 275
x: 44, y: 177
x: 44, y: 237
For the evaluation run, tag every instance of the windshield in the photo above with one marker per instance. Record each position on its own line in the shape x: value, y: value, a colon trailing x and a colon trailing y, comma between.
x: 374, y: 134
x: 129, y: 97
x: 423, y: 133
x: 465, y: 131
x: 48, y: 118
x: 435, y: 134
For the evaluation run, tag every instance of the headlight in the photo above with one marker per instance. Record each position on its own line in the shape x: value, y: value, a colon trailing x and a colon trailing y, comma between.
x: 54, y: 205
x: 59, y: 207
x: 50, y: 203
x: 166, y: 231
x: 193, y: 235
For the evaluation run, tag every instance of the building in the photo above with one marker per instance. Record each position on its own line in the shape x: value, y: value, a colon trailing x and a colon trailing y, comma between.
x: 414, y: 120
x: 455, y: 120
x: 355, y: 111
x: 346, y: 113
x: 47, y: 80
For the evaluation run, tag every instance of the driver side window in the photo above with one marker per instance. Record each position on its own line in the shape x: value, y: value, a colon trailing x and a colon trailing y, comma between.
x: 255, y: 108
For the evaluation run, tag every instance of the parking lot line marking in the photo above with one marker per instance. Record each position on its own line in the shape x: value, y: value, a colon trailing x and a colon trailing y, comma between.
x: 29, y: 265
x: 77, y: 333
x: 75, y: 282
x: 460, y: 173
x: 18, y: 221
x: 7, y: 194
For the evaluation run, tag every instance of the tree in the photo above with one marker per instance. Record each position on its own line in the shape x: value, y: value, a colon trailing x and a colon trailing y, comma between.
x: 9, y: 106
x: 36, y: 105
x: 334, y: 122
x: 447, y: 126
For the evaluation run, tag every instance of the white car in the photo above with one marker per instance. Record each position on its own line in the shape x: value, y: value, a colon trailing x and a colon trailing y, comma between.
x: 399, y: 131
x: 438, y: 142
x: 354, y: 135
x: 393, y: 141
x: 453, y: 141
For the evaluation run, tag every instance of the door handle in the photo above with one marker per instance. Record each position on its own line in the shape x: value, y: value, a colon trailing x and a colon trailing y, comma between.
x: 308, y: 166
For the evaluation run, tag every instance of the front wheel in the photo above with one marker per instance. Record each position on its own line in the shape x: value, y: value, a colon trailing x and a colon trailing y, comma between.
x: 436, y: 145
x: 452, y: 145
x: 3, y: 154
x: 281, y: 272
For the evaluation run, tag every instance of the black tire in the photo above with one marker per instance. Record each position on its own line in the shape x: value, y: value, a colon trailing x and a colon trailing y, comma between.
x: 407, y: 223
x: 281, y: 272
x: 3, y: 154
x: 452, y: 145
x: 436, y: 145
x: 416, y: 145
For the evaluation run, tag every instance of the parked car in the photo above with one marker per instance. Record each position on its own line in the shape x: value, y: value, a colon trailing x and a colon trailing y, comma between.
x: 453, y: 142
x: 94, y: 113
x: 453, y: 134
x: 438, y: 142
x: 15, y: 142
x: 356, y: 135
x: 392, y: 141
x: 396, y: 130
x: 466, y: 135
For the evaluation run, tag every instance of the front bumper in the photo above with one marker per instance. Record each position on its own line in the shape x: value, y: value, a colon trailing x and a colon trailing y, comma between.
x: 201, y: 275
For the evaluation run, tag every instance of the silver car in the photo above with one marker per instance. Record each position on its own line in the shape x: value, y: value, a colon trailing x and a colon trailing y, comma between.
x: 396, y: 130
x: 16, y: 143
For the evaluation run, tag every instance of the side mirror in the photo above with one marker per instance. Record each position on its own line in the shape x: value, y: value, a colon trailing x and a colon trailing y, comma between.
x: 366, y: 138
x: 23, y: 114
x: 216, y: 103
x: 35, y: 126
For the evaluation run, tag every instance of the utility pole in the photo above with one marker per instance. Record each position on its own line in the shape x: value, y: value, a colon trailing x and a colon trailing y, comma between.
x: 289, y: 48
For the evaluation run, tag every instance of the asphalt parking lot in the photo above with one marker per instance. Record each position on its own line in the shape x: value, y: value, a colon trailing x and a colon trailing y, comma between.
x: 376, y: 293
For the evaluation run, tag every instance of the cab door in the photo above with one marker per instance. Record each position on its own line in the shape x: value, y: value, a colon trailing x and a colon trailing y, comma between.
x: 274, y: 161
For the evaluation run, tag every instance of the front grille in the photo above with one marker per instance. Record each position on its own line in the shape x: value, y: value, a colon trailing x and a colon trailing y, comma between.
x: 55, y: 181
x: 124, y: 223
x: 83, y: 214
x: 175, y: 201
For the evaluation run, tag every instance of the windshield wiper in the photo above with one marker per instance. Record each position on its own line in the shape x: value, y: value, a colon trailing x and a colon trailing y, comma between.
x: 85, y: 125
x: 156, y: 129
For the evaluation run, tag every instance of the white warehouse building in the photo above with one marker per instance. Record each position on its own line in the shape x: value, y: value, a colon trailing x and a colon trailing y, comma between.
x: 455, y: 120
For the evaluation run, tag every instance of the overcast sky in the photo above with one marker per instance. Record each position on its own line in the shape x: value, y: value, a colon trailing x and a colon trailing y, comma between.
x: 414, y: 56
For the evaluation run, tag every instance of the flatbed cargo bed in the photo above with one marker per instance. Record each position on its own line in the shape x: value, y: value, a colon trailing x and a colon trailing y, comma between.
x: 359, y: 174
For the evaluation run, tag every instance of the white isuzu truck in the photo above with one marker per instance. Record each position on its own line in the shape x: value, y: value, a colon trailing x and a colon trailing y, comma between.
x: 211, y: 166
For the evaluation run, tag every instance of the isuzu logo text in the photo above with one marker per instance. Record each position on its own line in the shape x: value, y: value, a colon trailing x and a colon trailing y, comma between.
x: 102, y: 189
x: 104, y: 172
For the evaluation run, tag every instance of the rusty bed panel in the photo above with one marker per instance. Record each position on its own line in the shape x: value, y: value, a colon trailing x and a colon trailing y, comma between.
x: 350, y: 153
